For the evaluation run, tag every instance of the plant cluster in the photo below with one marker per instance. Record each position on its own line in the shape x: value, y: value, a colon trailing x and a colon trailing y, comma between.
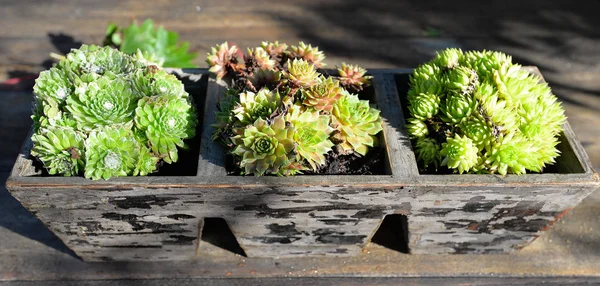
x: 282, y: 116
x: 104, y: 113
x: 477, y: 112
x: 155, y: 45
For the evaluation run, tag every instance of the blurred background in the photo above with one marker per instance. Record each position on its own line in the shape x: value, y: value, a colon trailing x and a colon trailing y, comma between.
x: 561, y: 38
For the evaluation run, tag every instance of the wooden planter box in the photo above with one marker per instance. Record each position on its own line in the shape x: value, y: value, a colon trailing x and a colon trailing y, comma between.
x: 163, y: 217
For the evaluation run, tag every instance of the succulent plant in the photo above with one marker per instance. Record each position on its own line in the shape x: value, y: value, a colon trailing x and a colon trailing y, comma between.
x: 265, y: 148
x: 353, y: 78
x: 131, y: 115
x: 220, y: 58
x: 111, y: 151
x: 312, y: 134
x: 301, y: 73
x: 281, y: 119
x: 308, y: 53
x: 323, y: 95
x: 483, y: 113
x: 60, y: 149
x: 357, y: 123
x: 166, y: 121
x: 253, y: 106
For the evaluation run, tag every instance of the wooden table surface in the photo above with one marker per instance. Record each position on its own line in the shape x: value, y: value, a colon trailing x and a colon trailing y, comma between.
x: 560, y: 37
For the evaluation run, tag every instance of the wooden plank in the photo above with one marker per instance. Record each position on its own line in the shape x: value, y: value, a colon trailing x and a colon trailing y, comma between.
x: 397, y: 143
x: 212, y: 159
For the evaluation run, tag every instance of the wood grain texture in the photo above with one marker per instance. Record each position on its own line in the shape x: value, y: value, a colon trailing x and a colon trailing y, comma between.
x: 158, y: 218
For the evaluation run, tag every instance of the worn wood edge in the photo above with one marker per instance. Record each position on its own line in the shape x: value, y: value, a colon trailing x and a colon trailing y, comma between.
x: 211, y: 163
x: 399, y: 151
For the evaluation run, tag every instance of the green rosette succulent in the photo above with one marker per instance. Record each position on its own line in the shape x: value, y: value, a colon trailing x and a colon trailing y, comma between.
x: 166, y: 122
x: 129, y: 111
x: 54, y: 83
x: 253, y: 106
x: 112, y: 151
x: 265, y: 148
x: 60, y: 149
x: 428, y: 151
x: 102, y: 102
x: 424, y: 106
x: 357, y: 124
x: 487, y: 114
x: 323, y: 95
x: 312, y: 135
x: 151, y: 81
x: 459, y: 153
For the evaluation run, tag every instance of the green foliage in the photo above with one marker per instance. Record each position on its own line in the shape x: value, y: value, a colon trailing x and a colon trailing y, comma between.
x: 282, y: 116
x: 155, y: 44
x: 477, y: 112
x: 104, y: 113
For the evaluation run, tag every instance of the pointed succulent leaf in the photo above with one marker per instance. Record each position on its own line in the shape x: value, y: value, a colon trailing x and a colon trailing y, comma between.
x: 301, y: 73
x: 459, y: 153
x: 353, y: 78
x: 253, y: 106
x: 312, y: 134
x: 416, y: 128
x: 428, y: 151
x: 263, y: 148
x: 111, y: 151
x: 60, y: 149
x: 323, y: 95
x: 357, y: 124
x: 166, y: 121
x: 220, y: 57
x: 308, y: 53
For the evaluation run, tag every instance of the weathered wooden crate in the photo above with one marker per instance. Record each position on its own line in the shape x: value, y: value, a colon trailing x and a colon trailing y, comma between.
x: 162, y: 217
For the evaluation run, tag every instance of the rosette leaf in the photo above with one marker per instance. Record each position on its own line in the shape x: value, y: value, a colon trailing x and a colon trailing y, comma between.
x: 353, y: 78
x: 424, y: 105
x: 478, y: 131
x: 357, y: 124
x: 457, y: 107
x: 54, y: 83
x: 265, y: 78
x: 146, y: 162
x: 265, y: 148
x: 323, y: 95
x: 274, y: 49
x: 461, y: 80
x: 261, y: 59
x: 514, y: 154
x: 220, y: 58
x: 253, y: 106
x: 428, y: 151
x: 448, y: 58
x: 111, y: 151
x: 416, y: 128
x: 97, y: 60
x: 459, y: 153
x: 301, y: 73
x: 312, y: 134
x: 166, y: 122
x: 152, y: 81
x: 102, y: 102
x: 60, y: 149
x: 308, y: 53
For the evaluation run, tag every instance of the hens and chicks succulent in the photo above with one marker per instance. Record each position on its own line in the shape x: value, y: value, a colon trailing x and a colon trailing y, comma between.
x: 102, y: 113
x: 477, y: 112
x: 282, y: 116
